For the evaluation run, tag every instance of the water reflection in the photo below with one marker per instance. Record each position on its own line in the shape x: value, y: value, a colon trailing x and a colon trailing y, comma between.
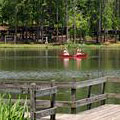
x: 78, y: 63
x: 66, y: 63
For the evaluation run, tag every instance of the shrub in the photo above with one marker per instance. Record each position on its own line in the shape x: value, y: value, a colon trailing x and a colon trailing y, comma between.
x: 12, y: 111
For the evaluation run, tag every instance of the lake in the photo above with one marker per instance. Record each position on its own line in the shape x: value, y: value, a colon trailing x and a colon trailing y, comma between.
x: 45, y: 64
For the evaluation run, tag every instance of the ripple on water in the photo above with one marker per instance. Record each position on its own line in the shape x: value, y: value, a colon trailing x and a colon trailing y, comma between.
x: 55, y: 75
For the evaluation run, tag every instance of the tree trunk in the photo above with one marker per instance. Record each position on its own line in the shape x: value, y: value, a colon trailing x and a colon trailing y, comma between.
x: 100, y: 22
x: 74, y: 22
x: 57, y: 20
x: 16, y: 23
x: 66, y: 14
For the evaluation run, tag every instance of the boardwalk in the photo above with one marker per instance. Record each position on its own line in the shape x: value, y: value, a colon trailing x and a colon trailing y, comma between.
x: 105, y: 112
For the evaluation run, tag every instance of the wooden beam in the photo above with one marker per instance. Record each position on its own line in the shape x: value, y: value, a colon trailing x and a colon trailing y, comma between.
x: 33, y: 101
x: 58, y: 103
x: 45, y: 113
x: 91, y: 82
x: 46, y: 91
x: 11, y: 91
x: 93, y: 99
x: 14, y: 86
x: 113, y: 79
x: 114, y: 95
x: 65, y: 85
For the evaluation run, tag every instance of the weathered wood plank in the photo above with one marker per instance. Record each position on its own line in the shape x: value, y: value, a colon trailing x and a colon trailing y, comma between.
x: 88, y: 96
x: 52, y: 101
x: 114, y: 95
x: 46, y: 91
x: 60, y: 84
x: 93, y: 99
x: 58, y: 103
x: 73, y: 100
x: 99, y: 113
x: 33, y: 101
x: 11, y: 91
x: 101, y: 108
x: 113, y: 79
x: 91, y: 82
x: 108, y: 114
x: 103, y: 86
x: 14, y: 86
x: 46, y: 112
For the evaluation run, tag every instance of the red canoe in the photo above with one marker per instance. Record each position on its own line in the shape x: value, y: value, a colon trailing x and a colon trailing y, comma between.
x: 83, y: 55
x: 66, y: 56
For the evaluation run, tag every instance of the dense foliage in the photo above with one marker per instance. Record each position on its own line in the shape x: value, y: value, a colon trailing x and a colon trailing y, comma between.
x: 84, y: 16
x: 10, y: 111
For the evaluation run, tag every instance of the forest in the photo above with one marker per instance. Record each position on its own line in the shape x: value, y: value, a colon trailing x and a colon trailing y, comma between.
x: 77, y: 20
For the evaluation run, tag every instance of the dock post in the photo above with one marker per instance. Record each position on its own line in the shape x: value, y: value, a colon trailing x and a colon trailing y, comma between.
x: 53, y: 97
x: 33, y: 101
x: 103, y: 91
x: 73, y: 98
x: 89, y: 95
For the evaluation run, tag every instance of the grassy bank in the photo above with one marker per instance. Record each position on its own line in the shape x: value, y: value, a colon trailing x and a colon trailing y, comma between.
x: 51, y: 46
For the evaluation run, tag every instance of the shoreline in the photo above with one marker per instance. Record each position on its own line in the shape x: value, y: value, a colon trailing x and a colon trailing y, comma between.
x: 51, y: 46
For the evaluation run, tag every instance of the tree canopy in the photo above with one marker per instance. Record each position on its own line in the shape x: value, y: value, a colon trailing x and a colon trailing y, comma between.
x: 84, y: 16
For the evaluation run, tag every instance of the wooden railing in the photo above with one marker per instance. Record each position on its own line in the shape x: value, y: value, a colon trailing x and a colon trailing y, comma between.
x: 115, y: 80
x: 74, y: 103
x: 89, y: 99
x: 34, y: 91
x: 74, y: 87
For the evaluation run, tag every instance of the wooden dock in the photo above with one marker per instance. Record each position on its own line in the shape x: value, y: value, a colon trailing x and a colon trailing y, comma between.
x: 104, y: 112
x: 39, y: 108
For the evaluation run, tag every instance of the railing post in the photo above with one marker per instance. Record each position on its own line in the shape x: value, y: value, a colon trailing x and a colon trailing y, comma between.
x: 73, y: 98
x: 103, y: 85
x: 53, y: 97
x: 33, y: 101
x: 89, y: 95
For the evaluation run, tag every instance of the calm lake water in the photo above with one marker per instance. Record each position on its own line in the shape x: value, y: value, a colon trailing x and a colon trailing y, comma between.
x: 44, y: 64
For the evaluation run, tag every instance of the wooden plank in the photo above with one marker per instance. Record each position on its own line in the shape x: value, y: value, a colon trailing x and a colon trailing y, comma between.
x: 33, y: 101
x: 93, y: 99
x: 101, y: 108
x: 11, y: 91
x: 44, y: 113
x: 73, y: 99
x: 103, y: 86
x: 26, y: 84
x: 113, y: 79
x: 114, y: 95
x: 91, y: 82
x: 46, y: 91
x: 107, y: 113
x: 14, y: 86
x: 52, y: 102
x: 88, y: 96
x: 111, y: 116
x: 58, y: 103
x: 98, y: 114
x: 117, y: 117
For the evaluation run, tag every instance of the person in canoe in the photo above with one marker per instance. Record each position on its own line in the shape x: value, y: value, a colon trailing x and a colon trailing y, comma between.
x: 65, y: 52
x: 79, y: 52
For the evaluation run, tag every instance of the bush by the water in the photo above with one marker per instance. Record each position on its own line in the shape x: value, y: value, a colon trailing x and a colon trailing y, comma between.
x: 12, y: 111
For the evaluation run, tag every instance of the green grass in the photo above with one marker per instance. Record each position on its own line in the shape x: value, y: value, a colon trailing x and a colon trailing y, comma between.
x: 10, y: 111
x: 51, y: 46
